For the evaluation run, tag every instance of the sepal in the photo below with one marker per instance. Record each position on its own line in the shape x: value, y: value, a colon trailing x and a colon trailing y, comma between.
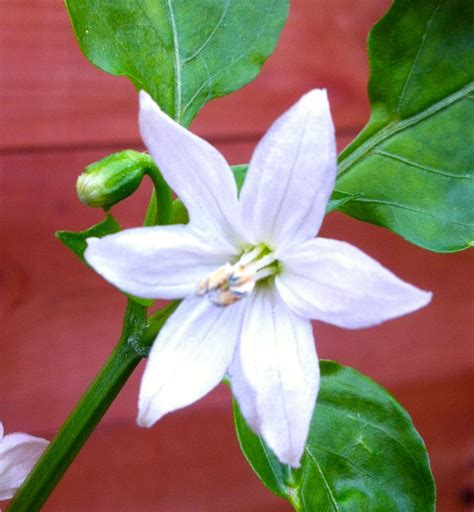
x: 76, y: 242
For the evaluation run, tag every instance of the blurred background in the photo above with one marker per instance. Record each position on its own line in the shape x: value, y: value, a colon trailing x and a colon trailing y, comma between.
x: 60, y: 321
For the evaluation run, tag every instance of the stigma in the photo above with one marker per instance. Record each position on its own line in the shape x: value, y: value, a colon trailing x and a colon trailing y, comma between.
x: 232, y: 282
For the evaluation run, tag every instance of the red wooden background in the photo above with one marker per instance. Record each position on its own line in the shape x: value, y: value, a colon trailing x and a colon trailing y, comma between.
x: 59, y: 320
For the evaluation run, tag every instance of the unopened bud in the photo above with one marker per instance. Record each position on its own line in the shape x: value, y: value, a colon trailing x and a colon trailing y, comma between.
x: 112, y: 179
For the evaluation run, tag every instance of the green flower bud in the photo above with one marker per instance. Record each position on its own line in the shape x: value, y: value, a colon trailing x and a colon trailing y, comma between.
x: 112, y: 179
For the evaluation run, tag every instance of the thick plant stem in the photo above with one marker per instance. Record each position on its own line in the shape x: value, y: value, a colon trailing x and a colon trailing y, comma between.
x: 85, y: 416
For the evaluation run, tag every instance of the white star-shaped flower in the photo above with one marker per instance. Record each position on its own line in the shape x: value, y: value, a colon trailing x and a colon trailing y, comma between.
x: 18, y: 454
x: 250, y: 272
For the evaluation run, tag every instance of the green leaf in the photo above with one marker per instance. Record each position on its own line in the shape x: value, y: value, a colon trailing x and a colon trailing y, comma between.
x: 339, y: 199
x: 184, y: 53
x: 413, y: 163
x: 363, y: 452
x: 76, y: 240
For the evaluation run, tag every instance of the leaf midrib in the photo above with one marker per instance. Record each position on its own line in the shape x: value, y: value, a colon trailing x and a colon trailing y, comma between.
x: 176, y: 62
x: 281, y: 488
x: 179, y: 62
x: 397, y: 126
x: 327, y: 487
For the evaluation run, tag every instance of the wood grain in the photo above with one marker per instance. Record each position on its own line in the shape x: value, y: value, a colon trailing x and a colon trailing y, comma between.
x: 59, y: 320
x: 175, y: 466
x: 51, y: 95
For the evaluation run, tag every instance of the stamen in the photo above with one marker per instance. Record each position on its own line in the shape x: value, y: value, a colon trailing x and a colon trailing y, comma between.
x: 250, y: 256
x: 265, y: 272
x: 261, y: 263
x: 230, y: 283
x: 215, y: 280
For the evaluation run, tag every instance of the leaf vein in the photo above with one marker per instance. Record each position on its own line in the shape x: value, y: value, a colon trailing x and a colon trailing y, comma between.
x: 150, y: 21
x: 209, y: 39
x: 396, y: 127
x: 417, y: 56
x: 422, y: 167
x: 353, y: 464
x: 201, y: 87
x: 223, y: 70
x: 327, y: 487
x: 409, y: 208
x: 375, y: 427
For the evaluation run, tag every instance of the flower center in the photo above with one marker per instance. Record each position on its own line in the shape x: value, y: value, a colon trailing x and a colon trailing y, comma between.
x: 233, y: 281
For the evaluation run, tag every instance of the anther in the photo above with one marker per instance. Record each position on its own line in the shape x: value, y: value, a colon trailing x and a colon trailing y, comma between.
x: 230, y: 283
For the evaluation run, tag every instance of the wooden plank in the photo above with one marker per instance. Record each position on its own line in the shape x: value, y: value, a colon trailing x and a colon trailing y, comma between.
x: 60, y: 320
x: 179, y: 465
x: 442, y: 411
x: 49, y: 293
x: 191, y: 462
x: 50, y: 94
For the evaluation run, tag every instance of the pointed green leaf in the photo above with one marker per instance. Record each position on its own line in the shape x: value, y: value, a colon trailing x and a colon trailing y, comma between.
x: 184, y: 53
x: 362, y: 453
x: 76, y: 240
x: 413, y: 164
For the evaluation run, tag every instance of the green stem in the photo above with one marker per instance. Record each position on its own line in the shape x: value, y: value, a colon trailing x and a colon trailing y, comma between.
x: 137, y: 337
x: 159, y: 209
x: 292, y: 484
x: 155, y: 323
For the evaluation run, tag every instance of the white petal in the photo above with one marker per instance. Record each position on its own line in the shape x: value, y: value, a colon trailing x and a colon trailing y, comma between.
x: 244, y: 393
x: 189, y: 358
x: 195, y: 170
x: 337, y: 283
x: 156, y: 262
x: 279, y: 362
x: 1, y: 431
x: 18, y: 454
x: 292, y: 174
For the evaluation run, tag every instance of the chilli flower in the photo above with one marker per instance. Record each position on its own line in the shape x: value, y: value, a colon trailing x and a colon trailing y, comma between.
x: 250, y: 272
x: 18, y: 454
